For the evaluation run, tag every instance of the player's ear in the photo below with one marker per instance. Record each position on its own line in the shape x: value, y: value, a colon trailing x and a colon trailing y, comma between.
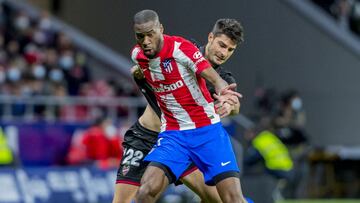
x: 210, y: 37
x: 161, y: 28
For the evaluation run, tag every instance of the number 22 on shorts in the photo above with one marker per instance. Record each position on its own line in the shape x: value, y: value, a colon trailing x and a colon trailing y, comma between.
x: 132, y: 157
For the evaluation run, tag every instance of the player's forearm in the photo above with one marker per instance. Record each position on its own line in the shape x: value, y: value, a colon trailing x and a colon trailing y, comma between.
x: 213, y: 77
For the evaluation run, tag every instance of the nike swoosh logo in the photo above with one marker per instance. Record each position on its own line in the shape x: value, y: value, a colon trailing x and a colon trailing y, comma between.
x: 224, y: 164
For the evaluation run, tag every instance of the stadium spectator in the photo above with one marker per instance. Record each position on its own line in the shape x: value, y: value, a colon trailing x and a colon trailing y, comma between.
x: 99, y: 145
x: 7, y: 157
x: 289, y: 120
x: 268, y: 149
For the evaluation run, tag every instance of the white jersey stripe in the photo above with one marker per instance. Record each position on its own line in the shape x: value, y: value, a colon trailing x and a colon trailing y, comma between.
x: 135, y: 53
x: 155, y: 70
x: 189, y: 80
x: 182, y: 117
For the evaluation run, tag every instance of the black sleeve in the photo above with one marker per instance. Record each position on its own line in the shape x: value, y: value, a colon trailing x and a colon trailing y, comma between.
x: 228, y: 77
x: 195, y: 42
x: 147, y: 91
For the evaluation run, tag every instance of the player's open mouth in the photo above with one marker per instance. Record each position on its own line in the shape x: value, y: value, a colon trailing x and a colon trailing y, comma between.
x: 148, y: 51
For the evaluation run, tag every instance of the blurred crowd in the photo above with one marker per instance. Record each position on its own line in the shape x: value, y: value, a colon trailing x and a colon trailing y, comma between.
x: 345, y: 12
x: 36, y: 59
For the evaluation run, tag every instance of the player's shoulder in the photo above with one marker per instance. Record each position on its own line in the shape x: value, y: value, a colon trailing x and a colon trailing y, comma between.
x: 182, y: 41
x: 226, y: 75
x: 136, y: 53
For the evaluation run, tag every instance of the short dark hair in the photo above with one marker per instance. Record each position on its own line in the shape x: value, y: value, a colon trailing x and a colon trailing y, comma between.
x: 145, y: 16
x: 229, y: 27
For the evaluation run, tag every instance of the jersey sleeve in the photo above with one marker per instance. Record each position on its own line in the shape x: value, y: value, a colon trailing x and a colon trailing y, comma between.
x: 193, y: 59
x: 134, y: 54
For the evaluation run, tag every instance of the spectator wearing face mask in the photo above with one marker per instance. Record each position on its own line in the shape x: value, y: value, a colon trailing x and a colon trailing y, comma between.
x: 289, y: 122
x: 100, y: 145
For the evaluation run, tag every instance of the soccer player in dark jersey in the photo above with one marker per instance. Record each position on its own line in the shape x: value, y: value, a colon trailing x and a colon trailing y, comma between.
x: 139, y: 139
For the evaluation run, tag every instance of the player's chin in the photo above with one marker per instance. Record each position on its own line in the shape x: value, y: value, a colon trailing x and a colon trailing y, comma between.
x: 218, y: 62
x: 149, y: 54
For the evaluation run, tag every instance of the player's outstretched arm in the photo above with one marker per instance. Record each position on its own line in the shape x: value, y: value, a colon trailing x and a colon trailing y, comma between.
x: 221, y: 86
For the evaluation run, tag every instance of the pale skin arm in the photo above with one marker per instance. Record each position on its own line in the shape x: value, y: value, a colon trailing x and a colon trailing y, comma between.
x: 221, y: 86
x: 228, y: 99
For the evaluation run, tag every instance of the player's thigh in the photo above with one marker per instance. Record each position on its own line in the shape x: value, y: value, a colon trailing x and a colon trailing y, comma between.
x: 154, y: 180
x: 171, y: 152
x: 195, y: 181
x: 124, y: 193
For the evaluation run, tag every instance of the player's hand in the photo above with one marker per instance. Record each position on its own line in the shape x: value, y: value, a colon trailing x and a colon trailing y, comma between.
x: 231, y: 99
x: 224, y: 109
x: 230, y: 89
x: 228, y: 94
x: 137, y: 72
x: 225, y: 104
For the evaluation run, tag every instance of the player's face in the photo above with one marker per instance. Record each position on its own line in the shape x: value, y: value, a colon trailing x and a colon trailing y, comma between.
x: 219, y: 49
x: 149, y: 36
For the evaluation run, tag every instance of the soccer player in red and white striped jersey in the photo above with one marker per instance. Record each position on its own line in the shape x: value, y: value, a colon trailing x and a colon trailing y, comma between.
x: 190, y: 127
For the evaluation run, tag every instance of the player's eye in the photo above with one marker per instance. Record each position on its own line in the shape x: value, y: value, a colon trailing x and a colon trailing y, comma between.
x: 140, y: 36
x: 222, y: 45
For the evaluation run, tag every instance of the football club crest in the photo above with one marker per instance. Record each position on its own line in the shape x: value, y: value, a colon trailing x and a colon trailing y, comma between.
x: 167, y: 65
x: 125, y: 169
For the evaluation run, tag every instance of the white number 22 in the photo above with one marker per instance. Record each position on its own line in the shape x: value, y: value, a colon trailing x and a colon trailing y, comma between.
x: 132, y: 157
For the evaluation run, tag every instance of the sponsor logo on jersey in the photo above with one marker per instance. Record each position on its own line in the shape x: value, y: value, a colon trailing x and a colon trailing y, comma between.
x: 197, y: 55
x: 171, y: 87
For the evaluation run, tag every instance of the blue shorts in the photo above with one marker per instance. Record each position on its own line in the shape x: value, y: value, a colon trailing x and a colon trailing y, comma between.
x: 208, y: 147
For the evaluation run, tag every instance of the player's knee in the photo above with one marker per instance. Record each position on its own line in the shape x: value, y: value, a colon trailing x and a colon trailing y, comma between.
x: 210, y: 196
x: 149, y: 189
x: 233, y: 196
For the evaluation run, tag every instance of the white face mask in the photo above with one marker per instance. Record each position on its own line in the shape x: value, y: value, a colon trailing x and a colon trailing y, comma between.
x: 56, y: 75
x: 40, y: 37
x: 110, y: 131
x: 39, y: 72
x: 14, y: 74
x: 66, y: 62
x: 22, y: 22
x: 296, y: 104
x: 45, y: 24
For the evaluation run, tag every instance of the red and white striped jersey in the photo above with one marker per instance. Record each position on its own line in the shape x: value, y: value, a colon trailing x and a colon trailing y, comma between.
x: 181, y: 93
